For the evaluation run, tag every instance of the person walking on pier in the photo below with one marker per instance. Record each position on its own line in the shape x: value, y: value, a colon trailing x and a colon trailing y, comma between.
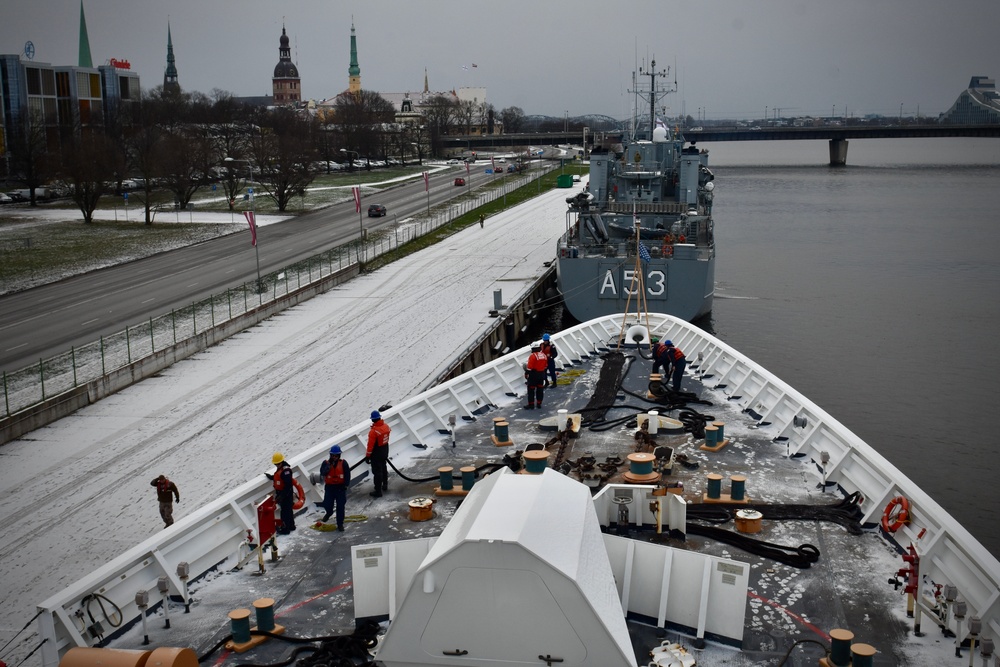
x: 284, y: 492
x: 378, y: 454
x: 549, y: 348
x: 672, y: 360
x: 482, y: 219
x: 534, y: 374
x: 336, y: 478
x: 166, y: 493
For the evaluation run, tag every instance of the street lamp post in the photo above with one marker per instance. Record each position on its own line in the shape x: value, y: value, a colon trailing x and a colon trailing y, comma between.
x: 253, y: 222
x: 361, y: 224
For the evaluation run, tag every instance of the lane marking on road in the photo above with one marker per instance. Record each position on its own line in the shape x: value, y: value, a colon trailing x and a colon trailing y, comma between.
x: 83, y: 324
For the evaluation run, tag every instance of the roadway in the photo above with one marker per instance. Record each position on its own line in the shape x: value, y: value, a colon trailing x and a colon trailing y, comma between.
x: 47, y: 320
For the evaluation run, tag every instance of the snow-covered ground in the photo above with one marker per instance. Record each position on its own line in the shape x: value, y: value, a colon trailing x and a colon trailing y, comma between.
x: 75, y: 494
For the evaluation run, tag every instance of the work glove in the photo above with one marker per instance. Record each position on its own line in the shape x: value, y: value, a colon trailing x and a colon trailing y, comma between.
x: 368, y: 459
x: 269, y: 476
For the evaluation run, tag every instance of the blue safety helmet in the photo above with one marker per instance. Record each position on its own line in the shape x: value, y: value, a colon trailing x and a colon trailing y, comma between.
x: 668, y: 343
x: 376, y: 416
x: 335, y: 449
x: 545, y: 337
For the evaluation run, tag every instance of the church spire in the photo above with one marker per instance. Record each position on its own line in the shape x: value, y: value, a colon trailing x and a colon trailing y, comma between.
x: 285, y: 82
x: 354, y: 71
x: 427, y: 87
x: 170, y: 83
x: 85, y: 59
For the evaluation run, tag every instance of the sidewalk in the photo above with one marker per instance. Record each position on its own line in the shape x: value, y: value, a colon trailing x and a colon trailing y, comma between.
x: 77, y: 493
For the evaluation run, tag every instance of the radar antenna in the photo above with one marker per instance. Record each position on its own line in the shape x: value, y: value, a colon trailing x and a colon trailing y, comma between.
x: 652, y: 95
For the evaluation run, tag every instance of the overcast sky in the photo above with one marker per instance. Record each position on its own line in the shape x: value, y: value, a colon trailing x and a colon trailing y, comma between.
x: 733, y: 57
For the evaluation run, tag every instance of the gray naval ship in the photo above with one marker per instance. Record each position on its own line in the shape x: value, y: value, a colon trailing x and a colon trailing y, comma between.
x: 641, y: 233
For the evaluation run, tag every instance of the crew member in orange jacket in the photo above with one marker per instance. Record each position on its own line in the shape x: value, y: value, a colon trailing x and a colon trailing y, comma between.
x: 378, y: 454
x: 284, y: 492
x: 534, y: 374
x: 673, y: 361
x: 336, y: 478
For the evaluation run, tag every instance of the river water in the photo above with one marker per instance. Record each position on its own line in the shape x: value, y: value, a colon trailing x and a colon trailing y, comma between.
x: 874, y: 289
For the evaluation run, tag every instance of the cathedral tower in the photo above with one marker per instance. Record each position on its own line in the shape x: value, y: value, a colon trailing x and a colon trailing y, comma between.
x: 285, y: 83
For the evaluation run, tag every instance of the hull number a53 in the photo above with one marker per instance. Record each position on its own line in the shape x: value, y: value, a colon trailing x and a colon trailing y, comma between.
x: 656, y: 284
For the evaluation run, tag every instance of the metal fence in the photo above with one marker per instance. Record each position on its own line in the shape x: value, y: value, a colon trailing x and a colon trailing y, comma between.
x: 50, y: 377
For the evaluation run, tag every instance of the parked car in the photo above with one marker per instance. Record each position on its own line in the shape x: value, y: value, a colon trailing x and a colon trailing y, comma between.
x: 376, y: 211
x: 459, y: 181
x: 4, y: 198
x: 453, y: 161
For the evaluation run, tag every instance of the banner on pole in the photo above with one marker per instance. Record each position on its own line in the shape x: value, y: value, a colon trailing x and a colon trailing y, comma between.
x: 252, y: 221
x: 427, y: 182
x: 356, y: 190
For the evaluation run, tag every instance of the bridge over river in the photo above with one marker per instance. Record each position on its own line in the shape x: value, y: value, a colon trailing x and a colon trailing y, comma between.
x: 838, y: 136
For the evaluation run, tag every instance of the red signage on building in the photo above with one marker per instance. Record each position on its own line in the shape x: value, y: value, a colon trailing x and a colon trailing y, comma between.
x: 120, y: 64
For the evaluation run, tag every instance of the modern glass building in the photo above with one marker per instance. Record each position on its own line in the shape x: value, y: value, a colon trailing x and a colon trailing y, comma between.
x: 979, y: 105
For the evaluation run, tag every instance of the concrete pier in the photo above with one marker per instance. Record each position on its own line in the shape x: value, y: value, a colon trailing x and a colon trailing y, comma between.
x: 838, y: 152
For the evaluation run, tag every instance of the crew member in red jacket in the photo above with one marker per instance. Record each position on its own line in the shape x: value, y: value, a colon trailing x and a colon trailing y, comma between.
x: 534, y: 375
x: 378, y: 454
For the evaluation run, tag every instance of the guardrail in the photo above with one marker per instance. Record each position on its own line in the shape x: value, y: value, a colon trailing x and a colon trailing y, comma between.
x: 29, y: 391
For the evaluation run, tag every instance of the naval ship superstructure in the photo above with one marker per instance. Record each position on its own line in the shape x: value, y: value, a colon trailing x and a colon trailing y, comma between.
x: 640, y: 235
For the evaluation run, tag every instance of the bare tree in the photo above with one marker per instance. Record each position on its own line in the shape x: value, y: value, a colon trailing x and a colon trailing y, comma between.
x: 182, y: 159
x: 466, y: 113
x: 283, y: 153
x: 325, y: 138
x: 440, y: 112
x: 89, y: 165
x: 31, y: 160
x: 361, y: 117
x: 512, y: 119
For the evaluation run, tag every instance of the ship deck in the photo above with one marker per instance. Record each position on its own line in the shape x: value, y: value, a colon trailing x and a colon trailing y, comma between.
x: 789, y: 608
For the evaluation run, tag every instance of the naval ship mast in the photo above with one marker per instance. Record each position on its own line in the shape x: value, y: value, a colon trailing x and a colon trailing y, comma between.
x: 652, y: 95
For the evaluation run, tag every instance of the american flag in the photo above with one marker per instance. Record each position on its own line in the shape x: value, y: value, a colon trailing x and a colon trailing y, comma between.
x: 644, y: 253
x: 252, y: 221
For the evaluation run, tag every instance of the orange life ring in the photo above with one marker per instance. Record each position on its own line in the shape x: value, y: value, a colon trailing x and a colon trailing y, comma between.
x: 896, y: 514
x: 300, y: 495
